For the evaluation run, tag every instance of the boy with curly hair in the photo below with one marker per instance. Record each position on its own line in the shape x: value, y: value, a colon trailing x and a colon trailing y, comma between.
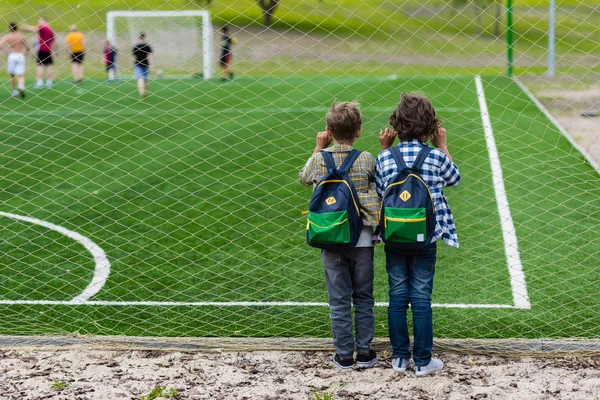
x: 410, y: 271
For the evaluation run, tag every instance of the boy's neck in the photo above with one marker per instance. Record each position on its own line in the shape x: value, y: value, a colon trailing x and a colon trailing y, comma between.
x: 344, y: 143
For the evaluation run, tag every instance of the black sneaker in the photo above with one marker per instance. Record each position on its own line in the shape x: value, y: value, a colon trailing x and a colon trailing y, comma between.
x: 22, y: 93
x: 366, y: 360
x: 343, y: 363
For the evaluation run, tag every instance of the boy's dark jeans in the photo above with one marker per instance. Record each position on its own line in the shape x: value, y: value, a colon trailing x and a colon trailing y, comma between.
x: 349, y: 279
x: 410, y: 276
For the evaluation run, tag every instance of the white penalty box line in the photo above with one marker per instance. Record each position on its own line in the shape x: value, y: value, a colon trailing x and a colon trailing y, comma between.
x: 509, y: 235
x: 222, y: 304
x: 517, y: 277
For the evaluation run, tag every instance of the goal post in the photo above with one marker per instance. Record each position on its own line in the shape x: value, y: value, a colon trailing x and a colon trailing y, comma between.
x: 208, y: 56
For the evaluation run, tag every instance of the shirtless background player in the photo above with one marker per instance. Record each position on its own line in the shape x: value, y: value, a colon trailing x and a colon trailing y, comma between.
x: 17, y: 49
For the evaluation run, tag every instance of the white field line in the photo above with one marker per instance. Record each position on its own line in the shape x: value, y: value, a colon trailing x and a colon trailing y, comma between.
x: 101, y: 272
x: 102, y: 265
x: 100, y: 113
x: 513, y: 258
x: 223, y: 304
x: 562, y: 130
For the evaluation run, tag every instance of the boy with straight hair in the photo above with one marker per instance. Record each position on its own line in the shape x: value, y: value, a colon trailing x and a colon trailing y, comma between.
x: 410, y: 270
x: 349, y: 274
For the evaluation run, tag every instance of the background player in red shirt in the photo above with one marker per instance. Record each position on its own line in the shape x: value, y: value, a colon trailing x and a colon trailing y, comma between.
x: 44, y: 52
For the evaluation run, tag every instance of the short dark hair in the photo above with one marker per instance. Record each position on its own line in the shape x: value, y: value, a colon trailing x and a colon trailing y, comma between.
x: 225, y: 29
x: 414, y: 118
x: 344, y: 120
x: 13, y: 26
x: 142, y: 35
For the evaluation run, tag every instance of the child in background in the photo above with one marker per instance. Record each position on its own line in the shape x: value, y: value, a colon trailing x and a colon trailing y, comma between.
x: 110, y: 62
x: 410, y: 271
x: 227, y: 41
x: 349, y: 274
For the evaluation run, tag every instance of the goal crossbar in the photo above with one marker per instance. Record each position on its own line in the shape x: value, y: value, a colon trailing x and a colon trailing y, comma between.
x: 207, y: 30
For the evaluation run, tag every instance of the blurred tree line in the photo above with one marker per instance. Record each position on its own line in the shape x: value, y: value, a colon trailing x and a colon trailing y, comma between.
x: 268, y: 8
x: 480, y: 7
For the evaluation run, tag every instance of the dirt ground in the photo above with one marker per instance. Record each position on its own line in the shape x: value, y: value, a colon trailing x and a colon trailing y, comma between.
x: 567, y: 105
x: 285, y: 375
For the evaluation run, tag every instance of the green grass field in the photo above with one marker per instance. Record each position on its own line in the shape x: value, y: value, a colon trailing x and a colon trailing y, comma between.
x: 193, y: 195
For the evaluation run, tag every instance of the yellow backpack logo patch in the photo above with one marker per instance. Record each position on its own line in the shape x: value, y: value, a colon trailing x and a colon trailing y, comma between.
x: 405, y: 195
x: 330, y: 200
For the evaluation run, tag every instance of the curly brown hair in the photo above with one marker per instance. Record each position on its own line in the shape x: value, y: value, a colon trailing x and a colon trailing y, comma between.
x: 414, y: 118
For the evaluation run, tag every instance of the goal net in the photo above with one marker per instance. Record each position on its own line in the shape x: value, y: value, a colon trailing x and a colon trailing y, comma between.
x: 182, y: 41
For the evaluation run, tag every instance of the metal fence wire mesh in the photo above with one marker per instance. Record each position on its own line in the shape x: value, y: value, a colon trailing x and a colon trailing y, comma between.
x: 180, y: 213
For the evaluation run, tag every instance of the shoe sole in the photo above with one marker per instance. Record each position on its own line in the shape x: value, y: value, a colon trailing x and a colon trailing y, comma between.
x: 428, y: 372
x: 338, y: 365
x: 398, y: 369
x: 366, y: 364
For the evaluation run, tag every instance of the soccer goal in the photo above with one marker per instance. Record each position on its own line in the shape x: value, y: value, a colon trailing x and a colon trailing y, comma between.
x: 182, y: 41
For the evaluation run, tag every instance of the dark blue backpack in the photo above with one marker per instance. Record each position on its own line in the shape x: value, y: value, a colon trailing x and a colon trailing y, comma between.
x: 407, y: 210
x: 334, y: 221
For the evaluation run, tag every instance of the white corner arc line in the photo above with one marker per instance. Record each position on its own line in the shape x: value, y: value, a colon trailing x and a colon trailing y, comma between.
x: 102, y: 265
x: 586, y: 154
x: 513, y: 258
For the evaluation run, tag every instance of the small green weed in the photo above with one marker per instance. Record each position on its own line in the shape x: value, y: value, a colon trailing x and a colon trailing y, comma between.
x: 59, y: 385
x: 321, y: 396
x: 160, y: 391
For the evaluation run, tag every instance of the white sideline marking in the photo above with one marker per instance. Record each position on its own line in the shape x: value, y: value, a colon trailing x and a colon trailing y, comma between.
x: 586, y: 154
x: 515, y: 267
x: 102, y: 265
x: 98, y: 113
x: 224, y: 304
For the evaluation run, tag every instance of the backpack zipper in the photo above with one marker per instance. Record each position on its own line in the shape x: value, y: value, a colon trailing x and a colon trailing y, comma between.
x: 385, y: 220
x: 319, y: 226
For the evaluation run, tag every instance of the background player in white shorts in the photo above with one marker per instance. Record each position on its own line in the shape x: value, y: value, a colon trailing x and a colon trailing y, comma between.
x: 17, y: 49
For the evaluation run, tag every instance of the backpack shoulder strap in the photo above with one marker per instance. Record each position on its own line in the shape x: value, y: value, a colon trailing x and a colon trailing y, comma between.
x: 398, y: 158
x: 329, y: 161
x: 421, y: 157
x: 350, y: 158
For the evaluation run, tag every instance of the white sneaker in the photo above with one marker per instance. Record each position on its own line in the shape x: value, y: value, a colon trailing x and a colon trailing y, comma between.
x: 433, y: 366
x: 39, y: 85
x: 400, y: 364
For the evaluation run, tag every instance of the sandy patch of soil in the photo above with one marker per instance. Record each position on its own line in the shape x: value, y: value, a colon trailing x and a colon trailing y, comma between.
x: 285, y: 375
x: 567, y: 105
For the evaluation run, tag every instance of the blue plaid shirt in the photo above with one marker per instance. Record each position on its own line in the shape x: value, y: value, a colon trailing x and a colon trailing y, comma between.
x: 437, y: 171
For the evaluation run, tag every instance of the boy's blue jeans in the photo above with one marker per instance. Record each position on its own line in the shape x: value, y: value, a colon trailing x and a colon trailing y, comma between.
x: 349, y: 279
x: 410, y: 276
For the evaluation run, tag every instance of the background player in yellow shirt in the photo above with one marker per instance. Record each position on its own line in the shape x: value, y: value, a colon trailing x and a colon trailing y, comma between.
x: 75, y: 43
